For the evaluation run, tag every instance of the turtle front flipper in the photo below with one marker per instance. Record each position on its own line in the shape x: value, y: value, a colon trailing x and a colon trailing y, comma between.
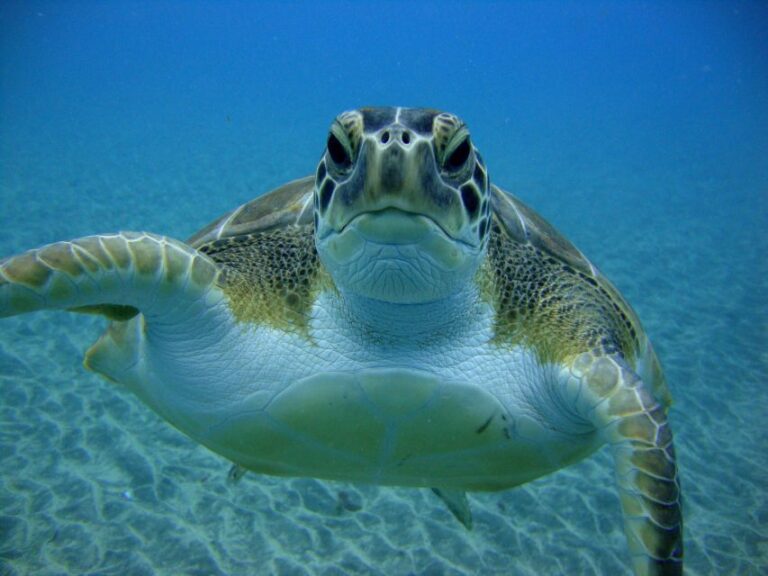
x: 115, y: 275
x: 635, y: 424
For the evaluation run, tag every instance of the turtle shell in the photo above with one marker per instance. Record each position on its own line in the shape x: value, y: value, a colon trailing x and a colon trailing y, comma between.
x: 290, y: 204
x: 524, y: 225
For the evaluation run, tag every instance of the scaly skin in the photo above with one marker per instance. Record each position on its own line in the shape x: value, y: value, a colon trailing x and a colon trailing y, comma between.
x: 128, y: 269
x: 635, y: 425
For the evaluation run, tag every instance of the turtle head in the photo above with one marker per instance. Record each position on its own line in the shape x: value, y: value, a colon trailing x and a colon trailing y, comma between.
x: 401, y: 204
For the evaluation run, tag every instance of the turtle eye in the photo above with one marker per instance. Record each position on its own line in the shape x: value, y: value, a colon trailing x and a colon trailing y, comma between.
x: 338, y: 152
x: 458, y: 157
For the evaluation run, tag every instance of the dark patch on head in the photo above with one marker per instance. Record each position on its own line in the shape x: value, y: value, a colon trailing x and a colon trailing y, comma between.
x: 419, y: 120
x: 350, y: 190
x: 392, y: 169
x: 471, y: 199
x: 479, y: 176
x: 325, y: 194
x: 338, y: 153
x: 484, y: 206
x: 431, y: 183
x: 375, y: 119
x: 321, y: 172
x: 483, y: 228
x: 459, y: 156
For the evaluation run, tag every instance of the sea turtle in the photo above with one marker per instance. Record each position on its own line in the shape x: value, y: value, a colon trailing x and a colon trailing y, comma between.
x: 393, y: 319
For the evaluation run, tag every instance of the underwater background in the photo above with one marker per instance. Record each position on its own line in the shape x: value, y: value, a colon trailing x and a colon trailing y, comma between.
x: 639, y: 129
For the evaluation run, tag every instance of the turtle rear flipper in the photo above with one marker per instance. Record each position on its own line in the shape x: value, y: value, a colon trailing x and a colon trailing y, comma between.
x: 635, y: 424
x: 114, y: 275
x: 457, y: 503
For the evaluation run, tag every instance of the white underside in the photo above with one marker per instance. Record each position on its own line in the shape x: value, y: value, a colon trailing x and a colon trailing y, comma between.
x: 473, y: 416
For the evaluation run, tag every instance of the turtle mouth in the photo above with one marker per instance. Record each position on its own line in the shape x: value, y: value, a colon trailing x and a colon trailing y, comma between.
x: 393, y: 226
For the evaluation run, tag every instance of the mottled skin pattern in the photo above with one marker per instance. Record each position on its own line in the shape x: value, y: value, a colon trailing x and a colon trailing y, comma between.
x: 272, y: 278
x: 270, y: 261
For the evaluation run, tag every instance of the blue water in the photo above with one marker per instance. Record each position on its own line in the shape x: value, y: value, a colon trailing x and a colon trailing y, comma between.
x: 638, y: 129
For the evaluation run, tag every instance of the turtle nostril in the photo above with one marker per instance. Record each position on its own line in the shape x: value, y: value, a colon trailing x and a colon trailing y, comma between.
x: 406, y: 137
x: 385, y: 137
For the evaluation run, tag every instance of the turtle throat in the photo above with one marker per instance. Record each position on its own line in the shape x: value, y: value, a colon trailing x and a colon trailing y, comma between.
x: 432, y: 321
